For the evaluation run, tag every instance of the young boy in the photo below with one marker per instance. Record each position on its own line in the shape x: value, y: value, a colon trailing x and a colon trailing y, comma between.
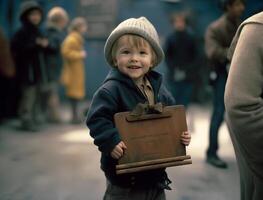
x: 132, y: 49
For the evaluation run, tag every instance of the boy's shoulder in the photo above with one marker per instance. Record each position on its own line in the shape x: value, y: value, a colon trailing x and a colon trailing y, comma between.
x: 113, y: 87
x: 115, y: 79
x: 109, y: 86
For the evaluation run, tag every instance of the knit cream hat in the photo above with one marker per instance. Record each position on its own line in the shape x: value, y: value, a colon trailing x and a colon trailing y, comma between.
x: 137, y: 26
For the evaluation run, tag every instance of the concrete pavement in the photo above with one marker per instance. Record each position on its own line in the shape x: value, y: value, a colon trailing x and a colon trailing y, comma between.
x: 61, y: 163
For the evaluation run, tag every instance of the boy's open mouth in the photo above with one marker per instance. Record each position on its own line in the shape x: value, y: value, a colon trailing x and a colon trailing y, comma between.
x: 134, y: 67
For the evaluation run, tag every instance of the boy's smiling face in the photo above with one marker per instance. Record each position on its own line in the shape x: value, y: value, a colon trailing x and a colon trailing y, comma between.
x: 133, y: 59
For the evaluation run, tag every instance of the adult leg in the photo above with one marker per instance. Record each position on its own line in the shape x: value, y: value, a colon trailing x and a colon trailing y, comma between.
x: 75, y: 111
x: 185, y: 91
x: 53, y: 104
x: 216, y: 121
x: 26, y: 108
x: 40, y: 106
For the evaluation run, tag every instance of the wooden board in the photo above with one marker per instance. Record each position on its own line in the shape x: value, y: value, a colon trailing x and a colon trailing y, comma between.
x: 153, y: 141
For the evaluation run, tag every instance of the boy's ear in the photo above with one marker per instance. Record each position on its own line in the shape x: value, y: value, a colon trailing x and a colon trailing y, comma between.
x: 114, y: 61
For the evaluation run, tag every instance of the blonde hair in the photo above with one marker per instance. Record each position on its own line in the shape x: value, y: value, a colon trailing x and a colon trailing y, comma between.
x: 76, y: 23
x: 136, y: 41
x: 55, y: 15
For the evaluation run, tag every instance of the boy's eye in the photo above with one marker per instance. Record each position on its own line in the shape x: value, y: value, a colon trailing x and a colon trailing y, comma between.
x: 143, y: 52
x: 125, y: 52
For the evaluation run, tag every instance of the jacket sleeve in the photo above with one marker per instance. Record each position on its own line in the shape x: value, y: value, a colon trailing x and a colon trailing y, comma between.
x: 23, y: 45
x: 101, y: 123
x: 243, y: 96
x: 70, y: 50
x: 214, y: 50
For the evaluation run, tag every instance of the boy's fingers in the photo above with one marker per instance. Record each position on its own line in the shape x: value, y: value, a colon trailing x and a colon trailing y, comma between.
x: 119, y: 150
x: 116, y: 154
x: 123, y: 145
x: 113, y: 155
x: 116, y: 157
x: 185, y: 141
x: 185, y: 138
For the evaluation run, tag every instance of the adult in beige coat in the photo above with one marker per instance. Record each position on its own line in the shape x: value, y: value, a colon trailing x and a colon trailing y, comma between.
x: 244, y: 105
x: 73, y: 73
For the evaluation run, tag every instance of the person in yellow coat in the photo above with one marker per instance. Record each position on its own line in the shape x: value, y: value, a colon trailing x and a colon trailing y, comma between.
x: 73, y: 73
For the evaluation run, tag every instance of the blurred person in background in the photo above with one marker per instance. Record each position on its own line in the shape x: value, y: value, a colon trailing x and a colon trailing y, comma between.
x: 218, y: 37
x: 7, y: 73
x: 73, y: 73
x: 28, y: 46
x: 244, y: 105
x: 180, y: 55
x: 57, y: 19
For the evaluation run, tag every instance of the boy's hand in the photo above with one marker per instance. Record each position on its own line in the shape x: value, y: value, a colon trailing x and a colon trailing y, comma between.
x: 118, y: 150
x: 186, y: 138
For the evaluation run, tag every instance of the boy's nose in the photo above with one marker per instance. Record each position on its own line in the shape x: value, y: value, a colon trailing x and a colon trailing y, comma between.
x: 134, y: 57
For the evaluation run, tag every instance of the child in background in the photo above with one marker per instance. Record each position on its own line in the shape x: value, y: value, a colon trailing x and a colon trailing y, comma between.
x: 73, y: 74
x: 133, y: 50
x: 28, y: 45
x: 57, y: 19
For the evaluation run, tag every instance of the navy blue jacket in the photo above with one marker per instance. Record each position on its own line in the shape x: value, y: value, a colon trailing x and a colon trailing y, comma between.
x: 119, y: 94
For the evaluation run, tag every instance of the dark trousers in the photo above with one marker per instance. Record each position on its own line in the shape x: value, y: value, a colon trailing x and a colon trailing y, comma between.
x: 114, y: 192
x: 218, y: 113
x: 75, y: 108
x: 51, y: 102
x: 181, y: 91
x: 29, y: 104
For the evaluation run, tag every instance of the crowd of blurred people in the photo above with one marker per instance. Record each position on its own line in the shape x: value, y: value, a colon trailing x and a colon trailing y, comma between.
x: 40, y: 60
